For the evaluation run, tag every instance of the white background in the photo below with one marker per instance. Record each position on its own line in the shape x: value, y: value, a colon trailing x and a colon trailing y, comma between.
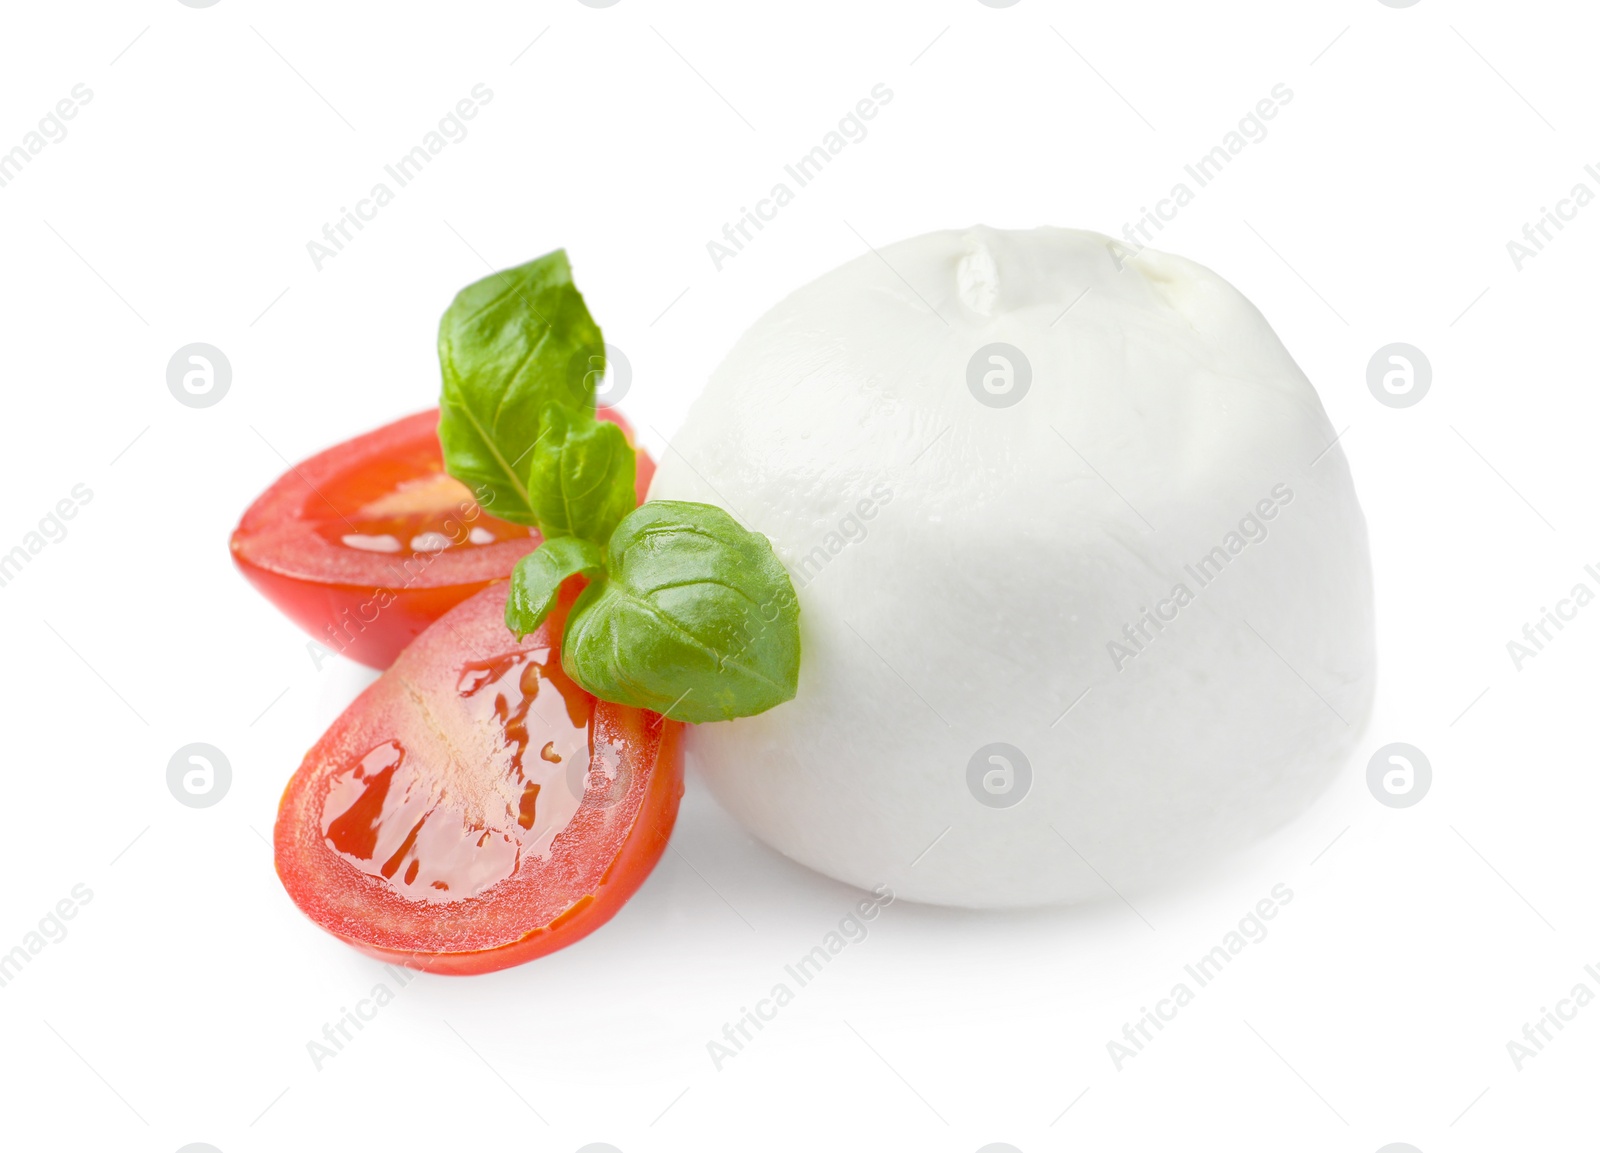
x: 219, y: 141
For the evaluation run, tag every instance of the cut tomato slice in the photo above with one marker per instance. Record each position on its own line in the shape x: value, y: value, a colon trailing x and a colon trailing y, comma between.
x: 474, y: 808
x: 366, y: 544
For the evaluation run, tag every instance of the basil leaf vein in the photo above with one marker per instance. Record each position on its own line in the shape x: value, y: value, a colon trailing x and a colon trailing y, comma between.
x: 507, y: 345
x: 537, y: 579
x: 696, y: 618
x: 581, y: 479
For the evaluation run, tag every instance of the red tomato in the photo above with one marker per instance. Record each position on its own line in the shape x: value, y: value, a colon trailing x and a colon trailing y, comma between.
x: 368, y: 543
x: 474, y: 808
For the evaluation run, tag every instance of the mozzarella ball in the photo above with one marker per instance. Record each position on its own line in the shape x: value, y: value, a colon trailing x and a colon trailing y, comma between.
x: 1085, y: 597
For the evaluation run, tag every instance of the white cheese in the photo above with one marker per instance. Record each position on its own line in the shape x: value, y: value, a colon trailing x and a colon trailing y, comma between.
x: 1120, y: 545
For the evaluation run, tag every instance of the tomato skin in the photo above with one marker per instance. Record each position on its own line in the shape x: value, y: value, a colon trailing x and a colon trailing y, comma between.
x: 318, y: 608
x: 574, y: 891
x: 365, y: 605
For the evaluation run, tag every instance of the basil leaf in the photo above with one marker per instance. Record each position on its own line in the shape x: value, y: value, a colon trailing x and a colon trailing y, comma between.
x: 696, y: 620
x: 538, y: 576
x: 507, y: 345
x: 581, y: 480
x: 685, y: 612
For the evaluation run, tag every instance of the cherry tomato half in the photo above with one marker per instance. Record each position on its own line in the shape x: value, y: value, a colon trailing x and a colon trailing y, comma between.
x: 367, y: 543
x: 474, y: 808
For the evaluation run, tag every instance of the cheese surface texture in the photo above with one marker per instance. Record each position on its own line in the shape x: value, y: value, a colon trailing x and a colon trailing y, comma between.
x: 1085, y: 595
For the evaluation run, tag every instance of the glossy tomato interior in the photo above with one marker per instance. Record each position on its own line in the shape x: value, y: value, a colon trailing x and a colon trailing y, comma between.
x: 366, y: 544
x: 474, y: 808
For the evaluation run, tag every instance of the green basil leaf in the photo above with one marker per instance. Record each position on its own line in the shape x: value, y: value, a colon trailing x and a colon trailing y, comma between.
x: 581, y: 480
x: 538, y: 576
x: 696, y: 619
x: 507, y: 350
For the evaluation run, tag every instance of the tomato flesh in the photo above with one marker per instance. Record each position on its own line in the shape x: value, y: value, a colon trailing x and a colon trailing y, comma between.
x: 474, y: 808
x: 366, y: 544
